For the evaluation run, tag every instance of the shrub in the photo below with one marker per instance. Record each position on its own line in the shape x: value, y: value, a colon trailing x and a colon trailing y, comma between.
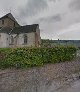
x: 29, y: 57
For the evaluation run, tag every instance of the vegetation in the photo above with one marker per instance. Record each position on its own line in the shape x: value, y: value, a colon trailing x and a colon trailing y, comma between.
x: 52, y: 43
x: 29, y: 57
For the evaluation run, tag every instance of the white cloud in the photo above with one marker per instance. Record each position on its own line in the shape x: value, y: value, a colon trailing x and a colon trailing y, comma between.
x: 71, y: 33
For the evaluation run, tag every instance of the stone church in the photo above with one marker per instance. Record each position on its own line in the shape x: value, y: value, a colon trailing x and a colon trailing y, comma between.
x: 14, y: 35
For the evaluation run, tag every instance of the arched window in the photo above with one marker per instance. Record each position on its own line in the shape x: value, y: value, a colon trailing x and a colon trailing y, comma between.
x: 12, y: 40
x: 25, y: 39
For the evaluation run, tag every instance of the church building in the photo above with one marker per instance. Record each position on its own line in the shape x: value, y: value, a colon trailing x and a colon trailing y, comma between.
x: 14, y: 35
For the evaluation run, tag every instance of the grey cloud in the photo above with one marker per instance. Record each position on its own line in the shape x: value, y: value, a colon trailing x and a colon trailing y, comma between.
x: 54, y: 19
x: 33, y: 7
x: 75, y: 5
x: 54, y: 0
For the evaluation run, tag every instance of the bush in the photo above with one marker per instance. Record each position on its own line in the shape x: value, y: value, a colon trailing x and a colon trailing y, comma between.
x: 29, y: 57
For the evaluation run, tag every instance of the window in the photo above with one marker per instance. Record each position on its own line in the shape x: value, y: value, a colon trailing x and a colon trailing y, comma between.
x: 2, y: 22
x: 12, y: 40
x: 14, y: 24
x: 25, y: 39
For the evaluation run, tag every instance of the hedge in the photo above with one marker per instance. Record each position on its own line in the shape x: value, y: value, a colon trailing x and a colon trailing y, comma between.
x: 29, y: 57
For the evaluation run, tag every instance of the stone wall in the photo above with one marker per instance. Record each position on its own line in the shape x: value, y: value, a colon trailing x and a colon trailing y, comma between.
x: 20, y: 40
x: 11, y: 23
x: 38, y: 38
x: 5, y: 22
x: 8, y: 23
x: 48, y: 78
x: 4, y: 40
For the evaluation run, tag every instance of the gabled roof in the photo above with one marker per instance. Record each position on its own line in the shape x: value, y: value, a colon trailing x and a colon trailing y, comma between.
x: 25, y: 29
x: 21, y: 29
x: 9, y: 15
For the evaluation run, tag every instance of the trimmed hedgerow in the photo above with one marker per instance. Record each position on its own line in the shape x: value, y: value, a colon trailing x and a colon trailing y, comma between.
x: 29, y: 57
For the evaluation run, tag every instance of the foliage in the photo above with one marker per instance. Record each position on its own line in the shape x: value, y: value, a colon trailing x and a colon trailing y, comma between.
x: 29, y: 57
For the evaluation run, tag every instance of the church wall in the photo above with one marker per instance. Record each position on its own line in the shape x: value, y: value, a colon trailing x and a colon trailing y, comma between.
x: 8, y: 23
x: 19, y: 40
x: 30, y: 40
x: 5, y: 22
x: 11, y: 23
x: 38, y: 37
x: 4, y: 40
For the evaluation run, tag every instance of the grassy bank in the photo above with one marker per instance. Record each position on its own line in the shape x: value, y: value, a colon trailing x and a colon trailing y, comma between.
x: 29, y: 57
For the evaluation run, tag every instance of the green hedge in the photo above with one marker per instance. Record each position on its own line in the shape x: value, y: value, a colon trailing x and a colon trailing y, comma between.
x: 29, y: 57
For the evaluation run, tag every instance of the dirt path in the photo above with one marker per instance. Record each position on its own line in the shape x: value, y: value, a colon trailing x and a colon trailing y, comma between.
x: 73, y: 87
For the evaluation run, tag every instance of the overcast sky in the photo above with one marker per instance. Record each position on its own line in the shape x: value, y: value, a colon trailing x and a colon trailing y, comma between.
x: 58, y: 19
